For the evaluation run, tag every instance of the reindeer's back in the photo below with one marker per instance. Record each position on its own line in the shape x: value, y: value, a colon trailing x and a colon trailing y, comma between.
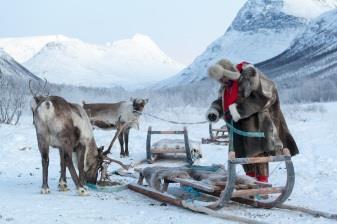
x: 109, y: 112
x: 60, y: 117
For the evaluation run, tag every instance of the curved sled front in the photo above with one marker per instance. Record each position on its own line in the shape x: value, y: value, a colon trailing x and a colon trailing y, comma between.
x: 243, y: 196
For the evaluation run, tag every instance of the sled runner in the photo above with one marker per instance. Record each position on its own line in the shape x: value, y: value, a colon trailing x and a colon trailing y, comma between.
x: 216, y: 135
x: 222, y: 185
x: 174, y: 147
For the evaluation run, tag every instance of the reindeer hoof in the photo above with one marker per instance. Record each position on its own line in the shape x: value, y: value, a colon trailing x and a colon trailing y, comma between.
x: 63, y: 186
x: 45, y: 190
x: 82, y: 191
x: 122, y: 155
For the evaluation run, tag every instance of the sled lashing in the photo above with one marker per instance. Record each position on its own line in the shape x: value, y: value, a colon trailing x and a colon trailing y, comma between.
x: 213, y: 187
x: 216, y: 135
x: 174, y: 147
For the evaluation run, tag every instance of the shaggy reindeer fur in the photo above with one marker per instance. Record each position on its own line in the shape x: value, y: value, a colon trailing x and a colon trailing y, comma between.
x: 155, y: 175
x: 65, y: 126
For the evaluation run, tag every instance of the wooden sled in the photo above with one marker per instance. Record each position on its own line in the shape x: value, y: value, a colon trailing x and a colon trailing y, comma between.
x: 226, y: 187
x: 217, y: 135
x: 174, y: 147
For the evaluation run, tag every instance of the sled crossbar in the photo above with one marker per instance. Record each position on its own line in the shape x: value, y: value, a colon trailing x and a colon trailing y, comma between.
x: 261, y: 191
x: 167, y: 132
x: 254, y: 160
x: 172, y: 150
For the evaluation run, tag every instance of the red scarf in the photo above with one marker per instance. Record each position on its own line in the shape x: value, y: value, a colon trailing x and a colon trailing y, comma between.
x: 230, y: 94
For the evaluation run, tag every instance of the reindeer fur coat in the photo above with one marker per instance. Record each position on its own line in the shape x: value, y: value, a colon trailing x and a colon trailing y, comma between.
x: 257, y: 110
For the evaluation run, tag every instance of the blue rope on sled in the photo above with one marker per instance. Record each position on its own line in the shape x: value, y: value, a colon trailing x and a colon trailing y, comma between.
x: 106, y: 189
x: 191, y: 191
x: 249, y: 134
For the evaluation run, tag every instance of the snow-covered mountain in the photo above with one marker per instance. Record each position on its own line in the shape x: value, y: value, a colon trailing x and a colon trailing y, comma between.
x: 261, y: 30
x: 311, y: 56
x: 24, y: 48
x: 10, y: 67
x: 131, y: 63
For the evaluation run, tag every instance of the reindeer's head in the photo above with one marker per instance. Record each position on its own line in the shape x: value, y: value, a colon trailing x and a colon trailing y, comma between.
x: 38, y: 96
x: 139, y: 104
x: 93, y: 163
x: 97, y: 163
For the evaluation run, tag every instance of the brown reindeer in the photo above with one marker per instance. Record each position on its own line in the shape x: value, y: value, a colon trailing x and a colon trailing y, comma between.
x: 66, y: 126
x: 114, y: 115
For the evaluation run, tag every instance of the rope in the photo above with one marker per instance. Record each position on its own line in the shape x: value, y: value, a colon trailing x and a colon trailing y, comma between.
x: 107, y: 189
x: 235, y: 130
x: 249, y: 134
x: 170, y: 121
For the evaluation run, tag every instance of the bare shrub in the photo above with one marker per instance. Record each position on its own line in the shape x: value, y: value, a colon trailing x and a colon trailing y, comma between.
x: 12, y: 100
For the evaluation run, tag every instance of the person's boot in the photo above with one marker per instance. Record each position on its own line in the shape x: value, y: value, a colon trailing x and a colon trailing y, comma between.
x: 264, y: 179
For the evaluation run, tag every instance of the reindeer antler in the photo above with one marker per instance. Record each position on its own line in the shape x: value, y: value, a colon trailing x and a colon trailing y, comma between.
x: 109, y: 160
x: 30, y: 88
x: 106, y: 161
x: 44, y: 86
x: 39, y: 91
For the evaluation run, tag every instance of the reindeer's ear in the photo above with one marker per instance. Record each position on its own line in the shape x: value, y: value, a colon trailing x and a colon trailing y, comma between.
x: 146, y: 101
x: 100, y: 149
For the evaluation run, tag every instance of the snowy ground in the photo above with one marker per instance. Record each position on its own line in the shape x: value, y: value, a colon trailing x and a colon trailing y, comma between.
x: 313, y: 126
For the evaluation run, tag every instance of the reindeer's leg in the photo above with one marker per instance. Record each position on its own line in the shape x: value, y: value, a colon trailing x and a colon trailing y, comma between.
x: 71, y: 168
x: 63, y: 180
x: 80, y: 163
x: 126, y: 140
x: 141, y: 178
x: 121, y: 142
x: 44, y: 150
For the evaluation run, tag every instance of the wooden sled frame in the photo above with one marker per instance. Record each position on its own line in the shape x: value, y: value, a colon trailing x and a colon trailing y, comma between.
x: 151, y: 154
x: 229, y: 192
x: 216, y: 135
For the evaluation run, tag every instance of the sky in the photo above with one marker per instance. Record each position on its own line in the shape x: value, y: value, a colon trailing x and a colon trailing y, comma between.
x: 182, y: 28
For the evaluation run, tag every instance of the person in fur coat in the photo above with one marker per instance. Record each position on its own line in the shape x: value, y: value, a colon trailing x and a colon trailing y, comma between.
x: 249, y: 99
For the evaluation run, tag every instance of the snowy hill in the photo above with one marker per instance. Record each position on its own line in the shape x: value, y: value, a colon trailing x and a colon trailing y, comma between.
x: 130, y: 63
x: 312, y: 55
x: 307, y: 70
x: 261, y: 30
x: 10, y: 67
x: 24, y: 48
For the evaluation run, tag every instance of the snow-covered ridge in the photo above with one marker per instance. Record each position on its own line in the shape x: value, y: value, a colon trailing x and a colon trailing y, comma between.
x: 261, y: 30
x: 308, y: 9
x: 10, y: 67
x: 131, y: 63
x: 23, y: 48
x: 312, y: 54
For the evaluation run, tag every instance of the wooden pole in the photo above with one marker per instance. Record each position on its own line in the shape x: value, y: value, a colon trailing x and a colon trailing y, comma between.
x: 308, y: 211
x: 164, y: 197
x: 221, y: 215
